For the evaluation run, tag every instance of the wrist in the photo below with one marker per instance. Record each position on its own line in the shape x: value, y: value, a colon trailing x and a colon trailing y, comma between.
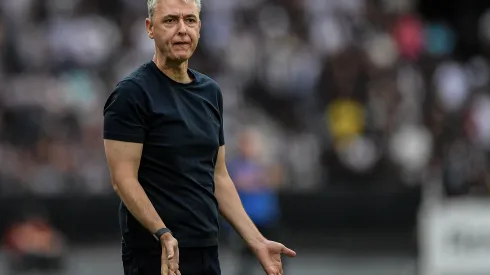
x: 165, y: 237
x: 255, y: 241
x: 162, y: 234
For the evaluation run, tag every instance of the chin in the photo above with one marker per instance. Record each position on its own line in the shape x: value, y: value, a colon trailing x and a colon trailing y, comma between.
x: 182, y: 57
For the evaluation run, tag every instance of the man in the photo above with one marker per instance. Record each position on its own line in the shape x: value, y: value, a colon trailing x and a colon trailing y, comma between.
x: 164, y: 142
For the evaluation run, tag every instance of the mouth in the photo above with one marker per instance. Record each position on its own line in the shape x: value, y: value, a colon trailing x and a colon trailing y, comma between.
x: 181, y: 43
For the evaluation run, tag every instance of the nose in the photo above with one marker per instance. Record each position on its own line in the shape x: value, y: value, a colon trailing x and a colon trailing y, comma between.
x: 182, y: 28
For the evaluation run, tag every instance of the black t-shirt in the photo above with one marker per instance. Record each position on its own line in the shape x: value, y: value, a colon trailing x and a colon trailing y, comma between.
x: 181, y: 129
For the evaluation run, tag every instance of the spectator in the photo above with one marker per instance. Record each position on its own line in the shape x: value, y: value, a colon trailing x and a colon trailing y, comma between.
x: 339, y: 79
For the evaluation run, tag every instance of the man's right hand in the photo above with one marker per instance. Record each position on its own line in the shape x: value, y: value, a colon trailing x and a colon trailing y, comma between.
x: 170, y: 255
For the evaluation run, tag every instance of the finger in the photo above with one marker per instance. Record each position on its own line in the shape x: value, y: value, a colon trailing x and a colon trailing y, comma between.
x: 165, y: 270
x: 281, y: 271
x: 272, y: 271
x: 177, y: 254
x: 170, y: 251
x: 288, y: 252
x: 174, y: 267
x: 174, y: 261
x: 164, y: 257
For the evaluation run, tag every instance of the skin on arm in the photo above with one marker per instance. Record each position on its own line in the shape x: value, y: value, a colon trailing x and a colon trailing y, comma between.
x: 230, y: 205
x: 123, y: 159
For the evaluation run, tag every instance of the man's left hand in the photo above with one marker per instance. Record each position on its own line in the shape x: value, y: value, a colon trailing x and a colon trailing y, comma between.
x: 269, y: 255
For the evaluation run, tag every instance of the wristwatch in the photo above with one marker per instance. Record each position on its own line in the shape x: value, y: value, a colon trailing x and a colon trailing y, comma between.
x: 157, y: 235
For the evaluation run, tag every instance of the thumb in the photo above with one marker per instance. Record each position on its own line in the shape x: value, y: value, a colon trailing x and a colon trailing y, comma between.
x: 288, y: 252
x: 170, y: 250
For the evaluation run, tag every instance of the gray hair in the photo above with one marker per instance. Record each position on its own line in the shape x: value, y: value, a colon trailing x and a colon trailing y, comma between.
x: 152, y: 4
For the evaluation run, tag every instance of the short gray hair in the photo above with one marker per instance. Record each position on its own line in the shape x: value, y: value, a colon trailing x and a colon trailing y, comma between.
x: 152, y: 4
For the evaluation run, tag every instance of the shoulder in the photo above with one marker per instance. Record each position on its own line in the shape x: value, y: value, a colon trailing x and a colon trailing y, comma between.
x: 130, y: 91
x: 141, y: 77
x: 127, y: 90
x: 137, y: 83
x: 206, y: 82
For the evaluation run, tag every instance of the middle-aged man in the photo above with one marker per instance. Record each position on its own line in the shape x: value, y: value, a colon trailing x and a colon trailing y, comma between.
x: 164, y: 142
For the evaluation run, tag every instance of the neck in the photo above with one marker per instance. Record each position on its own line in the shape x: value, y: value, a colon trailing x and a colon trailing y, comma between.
x: 176, y: 71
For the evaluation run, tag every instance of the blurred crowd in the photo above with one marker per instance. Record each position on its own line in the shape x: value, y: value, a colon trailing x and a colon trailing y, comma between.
x: 343, y: 93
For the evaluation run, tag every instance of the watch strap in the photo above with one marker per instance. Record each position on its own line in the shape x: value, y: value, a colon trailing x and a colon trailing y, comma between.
x: 157, y: 235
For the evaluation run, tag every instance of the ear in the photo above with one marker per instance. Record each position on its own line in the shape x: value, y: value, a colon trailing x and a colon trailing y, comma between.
x: 149, y: 27
x: 199, y: 30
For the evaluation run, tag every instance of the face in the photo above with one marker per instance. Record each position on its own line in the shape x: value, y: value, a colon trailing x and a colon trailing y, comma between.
x: 175, y: 27
x: 249, y: 144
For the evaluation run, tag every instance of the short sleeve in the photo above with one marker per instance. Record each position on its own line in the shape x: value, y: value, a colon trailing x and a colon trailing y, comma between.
x: 125, y: 113
x: 221, y: 129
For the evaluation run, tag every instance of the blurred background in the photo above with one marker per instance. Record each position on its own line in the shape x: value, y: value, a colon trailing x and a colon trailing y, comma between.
x: 358, y: 131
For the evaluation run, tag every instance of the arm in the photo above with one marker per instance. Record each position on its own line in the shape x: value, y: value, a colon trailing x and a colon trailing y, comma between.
x: 123, y: 159
x: 230, y: 206
x: 125, y: 128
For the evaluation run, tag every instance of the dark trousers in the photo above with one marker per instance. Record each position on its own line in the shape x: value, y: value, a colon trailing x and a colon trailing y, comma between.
x: 192, y: 261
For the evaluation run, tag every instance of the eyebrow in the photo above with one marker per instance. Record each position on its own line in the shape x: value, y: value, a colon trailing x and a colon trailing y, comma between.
x: 177, y: 16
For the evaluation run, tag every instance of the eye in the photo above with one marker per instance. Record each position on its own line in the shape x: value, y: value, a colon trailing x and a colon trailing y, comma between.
x: 191, y: 20
x: 168, y: 20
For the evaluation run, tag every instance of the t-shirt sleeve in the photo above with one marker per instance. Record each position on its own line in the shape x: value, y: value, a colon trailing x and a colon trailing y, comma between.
x: 125, y: 113
x: 221, y: 129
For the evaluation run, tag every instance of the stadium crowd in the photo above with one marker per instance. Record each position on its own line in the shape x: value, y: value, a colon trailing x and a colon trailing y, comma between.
x: 343, y: 92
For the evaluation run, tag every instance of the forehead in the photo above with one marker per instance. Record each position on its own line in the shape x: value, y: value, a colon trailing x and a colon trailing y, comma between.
x: 185, y: 7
